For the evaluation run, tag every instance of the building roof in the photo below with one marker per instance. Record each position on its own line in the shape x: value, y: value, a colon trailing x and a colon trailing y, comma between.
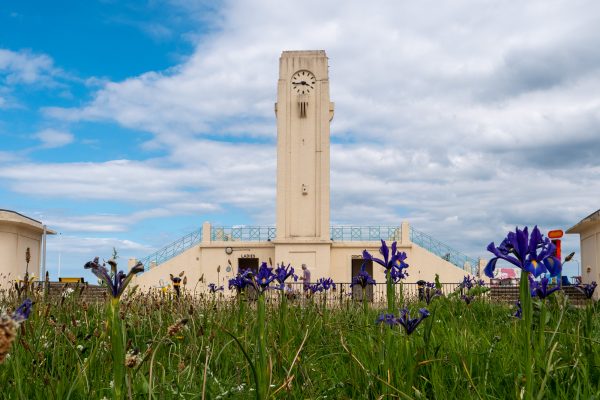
x: 13, y: 217
x: 590, y: 220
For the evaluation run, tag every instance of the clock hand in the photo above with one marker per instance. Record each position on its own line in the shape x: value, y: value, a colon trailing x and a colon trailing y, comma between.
x: 301, y: 83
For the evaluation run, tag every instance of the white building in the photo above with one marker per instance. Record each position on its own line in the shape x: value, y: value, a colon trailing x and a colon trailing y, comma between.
x: 303, y: 234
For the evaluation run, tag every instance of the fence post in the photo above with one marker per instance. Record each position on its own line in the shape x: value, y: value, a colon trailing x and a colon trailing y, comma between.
x: 405, y: 234
x: 206, y: 232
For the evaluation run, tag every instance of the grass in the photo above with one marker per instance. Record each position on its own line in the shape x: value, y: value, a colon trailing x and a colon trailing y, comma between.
x: 460, y: 352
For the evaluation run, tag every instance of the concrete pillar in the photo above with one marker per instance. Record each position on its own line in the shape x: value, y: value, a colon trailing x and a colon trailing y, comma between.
x: 405, y: 238
x: 481, y: 267
x: 131, y: 263
x: 206, y: 232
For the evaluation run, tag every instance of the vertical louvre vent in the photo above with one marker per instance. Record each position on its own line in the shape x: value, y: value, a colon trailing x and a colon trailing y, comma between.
x: 302, y: 105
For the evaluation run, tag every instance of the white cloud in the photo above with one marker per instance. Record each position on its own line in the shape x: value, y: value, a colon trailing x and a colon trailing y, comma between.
x: 25, y: 67
x: 52, y: 138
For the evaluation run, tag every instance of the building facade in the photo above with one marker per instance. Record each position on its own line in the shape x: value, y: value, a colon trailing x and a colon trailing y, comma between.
x: 303, y: 234
x: 19, y: 236
x: 589, y: 236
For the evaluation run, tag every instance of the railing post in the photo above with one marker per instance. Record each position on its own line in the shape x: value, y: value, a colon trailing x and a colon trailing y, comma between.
x: 206, y: 232
x: 405, y: 234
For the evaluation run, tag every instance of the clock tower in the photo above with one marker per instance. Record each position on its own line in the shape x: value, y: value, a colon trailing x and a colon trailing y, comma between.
x: 304, y: 112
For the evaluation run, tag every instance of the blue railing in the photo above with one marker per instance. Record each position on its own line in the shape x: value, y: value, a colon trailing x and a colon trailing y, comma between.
x: 442, y: 250
x: 171, y: 250
x: 365, y: 233
x: 242, y: 233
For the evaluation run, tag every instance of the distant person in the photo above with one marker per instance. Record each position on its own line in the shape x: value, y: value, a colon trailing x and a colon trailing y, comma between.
x: 305, y: 276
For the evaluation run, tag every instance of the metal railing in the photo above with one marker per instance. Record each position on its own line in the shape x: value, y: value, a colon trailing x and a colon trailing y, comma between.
x: 443, y: 251
x: 172, y: 250
x: 365, y: 233
x: 242, y: 233
x: 344, y: 292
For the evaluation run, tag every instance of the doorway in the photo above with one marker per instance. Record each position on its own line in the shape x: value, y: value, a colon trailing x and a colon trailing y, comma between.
x: 357, y: 290
x: 252, y: 265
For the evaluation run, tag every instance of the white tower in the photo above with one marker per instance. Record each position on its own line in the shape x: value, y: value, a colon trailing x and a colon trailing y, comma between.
x: 303, y: 113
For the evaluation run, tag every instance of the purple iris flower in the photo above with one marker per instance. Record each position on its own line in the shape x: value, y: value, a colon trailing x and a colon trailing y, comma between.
x: 467, y: 282
x: 409, y: 324
x: 587, y: 289
x: 263, y: 278
x: 532, y: 253
x: 393, y: 261
x: 214, y: 289
x: 23, y: 311
x: 363, y: 279
x: 239, y: 282
x: 467, y: 299
x: 397, y: 274
x: 540, y: 288
x: 323, y: 284
x: 519, y: 312
x: 282, y: 273
x: 119, y: 281
x: 430, y: 292
x: 389, y: 319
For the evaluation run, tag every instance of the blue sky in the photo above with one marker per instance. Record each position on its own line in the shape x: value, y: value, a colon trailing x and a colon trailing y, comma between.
x: 127, y: 124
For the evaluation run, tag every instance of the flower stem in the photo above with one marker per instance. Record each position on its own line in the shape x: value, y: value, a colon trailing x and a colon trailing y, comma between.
x: 390, y: 291
x: 118, y: 349
x: 525, y: 295
x: 262, y: 350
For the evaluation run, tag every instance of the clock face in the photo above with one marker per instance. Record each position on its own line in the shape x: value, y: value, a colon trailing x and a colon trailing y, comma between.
x: 303, y: 82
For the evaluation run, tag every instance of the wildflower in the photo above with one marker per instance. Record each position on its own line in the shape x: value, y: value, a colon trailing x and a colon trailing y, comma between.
x: 467, y: 299
x: 389, y: 319
x: 395, y: 260
x: 519, y: 312
x: 409, y: 324
x: 283, y: 273
x: 587, y: 289
x: 67, y: 292
x: 363, y: 279
x: 323, y: 284
x: 264, y: 277
x: 214, y: 289
x: 540, y: 289
x: 239, y: 282
x: 80, y: 347
x: 521, y: 250
x: 430, y: 292
x: 9, y: 326
x: 176, y: 283
x: 119, y: 281
x: 133, y: 358
x: 176, y: 327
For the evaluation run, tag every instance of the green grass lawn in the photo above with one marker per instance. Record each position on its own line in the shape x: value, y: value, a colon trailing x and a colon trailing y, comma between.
x: 313, y: 352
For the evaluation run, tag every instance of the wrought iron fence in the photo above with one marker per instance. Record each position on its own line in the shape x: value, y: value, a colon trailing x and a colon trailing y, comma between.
x: 242, y: 233
x: 345, y: 292
x: 171, y: 250
x: 365, y: 233
x: 443, y: 250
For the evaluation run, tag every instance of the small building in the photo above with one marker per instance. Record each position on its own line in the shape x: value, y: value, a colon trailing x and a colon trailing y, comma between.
x: 21, y: 235
x: 303, y: 234
x: 589, y: 236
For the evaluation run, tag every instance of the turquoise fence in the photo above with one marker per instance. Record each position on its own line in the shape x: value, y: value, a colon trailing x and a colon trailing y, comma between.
x: 442, y: 250
x: 172, y: 250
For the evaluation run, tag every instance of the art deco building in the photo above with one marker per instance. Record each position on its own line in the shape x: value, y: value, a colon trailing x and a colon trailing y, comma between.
x: 303, y: 234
